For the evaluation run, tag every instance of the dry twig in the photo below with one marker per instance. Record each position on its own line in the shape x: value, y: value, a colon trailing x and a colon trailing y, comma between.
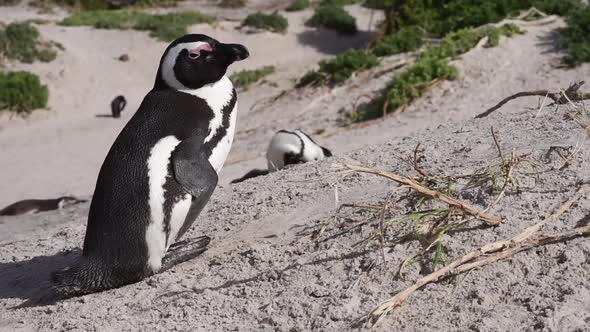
x: 559, y: 97
x: 486, y: 218
x: 502, y: 249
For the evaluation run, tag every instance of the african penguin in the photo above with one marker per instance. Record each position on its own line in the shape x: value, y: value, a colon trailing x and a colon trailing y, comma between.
x: 288, y: 148
x: 30, y: 206
x: 117, y: 106
x: 161, y: 170
x: 293, y: 147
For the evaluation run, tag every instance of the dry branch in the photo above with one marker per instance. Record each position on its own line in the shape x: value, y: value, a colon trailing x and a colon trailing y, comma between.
x: 559, y: 97
x: 502, y: 249
x: 486, y: 218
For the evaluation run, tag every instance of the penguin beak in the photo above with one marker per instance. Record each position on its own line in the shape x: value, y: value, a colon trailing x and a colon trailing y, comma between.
x: 233, y: 52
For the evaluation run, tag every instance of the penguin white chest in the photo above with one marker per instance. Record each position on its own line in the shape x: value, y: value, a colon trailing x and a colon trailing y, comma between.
x: 218, y: 97
x: 221, y: 150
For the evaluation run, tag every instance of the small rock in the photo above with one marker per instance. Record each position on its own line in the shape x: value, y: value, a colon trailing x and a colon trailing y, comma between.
x: 124, y: 58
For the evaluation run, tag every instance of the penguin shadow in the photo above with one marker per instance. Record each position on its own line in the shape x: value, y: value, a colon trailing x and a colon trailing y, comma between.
x: 30, y: 280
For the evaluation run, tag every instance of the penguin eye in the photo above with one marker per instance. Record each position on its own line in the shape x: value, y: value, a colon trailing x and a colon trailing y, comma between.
x: 193, y: 55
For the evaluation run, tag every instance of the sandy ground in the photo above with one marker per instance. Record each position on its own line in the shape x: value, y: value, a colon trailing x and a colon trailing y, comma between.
x: 262, y: 271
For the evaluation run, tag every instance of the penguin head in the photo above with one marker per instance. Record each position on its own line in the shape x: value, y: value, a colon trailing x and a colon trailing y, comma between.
x: 67, y: 201
x: 293, y: 147
x: 193, y: 61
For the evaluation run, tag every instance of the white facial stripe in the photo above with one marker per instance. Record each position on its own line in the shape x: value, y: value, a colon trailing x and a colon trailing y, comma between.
x: 170, y: 60
x: 179, y: 212
x: 290, y: 142
x: 157, y: 173
x: 312, y: 151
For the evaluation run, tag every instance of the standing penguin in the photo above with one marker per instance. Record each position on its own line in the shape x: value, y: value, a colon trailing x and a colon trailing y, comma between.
x: 293, y: 147
x: 161, y: 170
x: 117, y: 106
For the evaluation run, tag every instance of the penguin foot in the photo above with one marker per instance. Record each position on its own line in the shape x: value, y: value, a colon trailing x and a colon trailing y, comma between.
x: 185, y: 250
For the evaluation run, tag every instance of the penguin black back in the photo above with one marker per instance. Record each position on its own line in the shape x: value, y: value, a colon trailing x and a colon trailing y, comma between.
x: 161, y: 170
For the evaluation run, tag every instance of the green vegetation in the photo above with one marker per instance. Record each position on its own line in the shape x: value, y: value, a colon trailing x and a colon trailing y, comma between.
x: 78, y: 5
x: 335, y: 18
x: 271, y: 22
x: 84, y: 5
x: 22, y: 92
x: 298, y: 5
x: 245, y: 78
x: 405, y: 40
x: 8, y: 2
x: 432, y: 65
x: 340, y: 68
x: 165, y: 27
x: 576, y: 37
x: 20, y: 41
x: 232, y: 3
x: 338, y: 3
x: 440, y: 17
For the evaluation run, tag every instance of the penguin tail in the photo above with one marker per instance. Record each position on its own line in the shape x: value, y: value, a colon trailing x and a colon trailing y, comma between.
x: 79, y: 279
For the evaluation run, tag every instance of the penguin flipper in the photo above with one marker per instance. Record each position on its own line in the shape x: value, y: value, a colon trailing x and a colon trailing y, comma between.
x: 183, y: 251
x: 196, y: 175
x: 192, y: 168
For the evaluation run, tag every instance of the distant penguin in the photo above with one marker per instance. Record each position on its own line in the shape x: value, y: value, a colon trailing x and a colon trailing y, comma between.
x: 30, y: 206
x: 117, y: 106
x: 288, y: 148
x: 161, y: 170
x: 293, y: 147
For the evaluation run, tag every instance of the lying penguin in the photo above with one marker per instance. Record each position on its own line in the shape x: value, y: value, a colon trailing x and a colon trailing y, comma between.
x: 288, y: 148
x: 117, y: 106
x: 161, y: 170
x: 30, y: 206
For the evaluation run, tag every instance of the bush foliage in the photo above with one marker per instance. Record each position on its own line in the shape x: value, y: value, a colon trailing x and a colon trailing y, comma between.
x: 165, y: 27
x: 271, y: 22
x: 20, y: 41
x: 340, y: 68
x: 405, y: 40
x: 245, y: 78
x: 232, y: 3
x: 22, y: 92
x: 432, y: 64
x: 335, y: 18
x: 297, y: 5
x: 576, y: 37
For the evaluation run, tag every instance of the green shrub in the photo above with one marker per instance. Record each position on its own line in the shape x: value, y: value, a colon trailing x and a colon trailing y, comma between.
x: 335, y: 18
x: 374, y: 4
x: 22, y: 92
x: 338, y: 3
x: 404, y: 40
x: 165, y: 27
x: 71, y: 4
x: 298, y: 5
x: 439, y: 17
x: 245, y: 78
x: 340, y: 68
x: 8, y: 2
x: 84, y: 5
x: 433, y: 64
x: 407, y: 86
x: 576, y: 37
x: 232, y: 3
x: 271, y: 22
x: 20, y: 41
